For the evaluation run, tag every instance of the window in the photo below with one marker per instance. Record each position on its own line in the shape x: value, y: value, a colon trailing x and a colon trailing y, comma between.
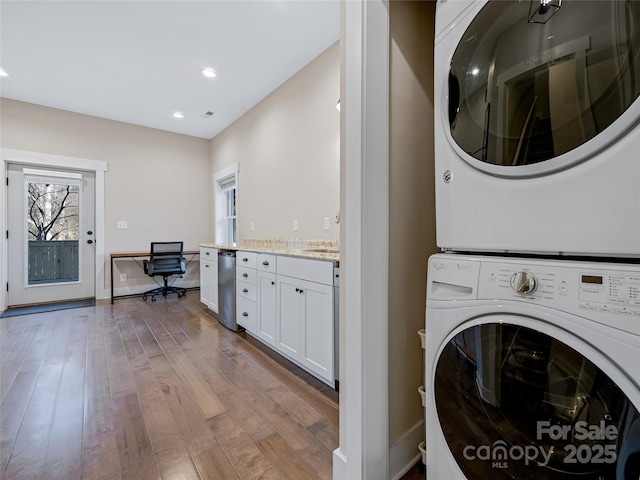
x: 226, y: 199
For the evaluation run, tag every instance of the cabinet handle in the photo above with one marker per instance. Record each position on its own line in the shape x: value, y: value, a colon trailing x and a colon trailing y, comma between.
x: 298, y: 290
x: 206, y: 253
x: 207, y: 266
x: 245, y: 259
x: 245, y: 290
x: 265, y: 263
x: 301, y: 291
x: 245, y: 275
x: 245, y: 314
x: 273, y: 283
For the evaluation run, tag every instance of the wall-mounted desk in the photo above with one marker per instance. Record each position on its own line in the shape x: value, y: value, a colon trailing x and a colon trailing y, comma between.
x: 136, y: 255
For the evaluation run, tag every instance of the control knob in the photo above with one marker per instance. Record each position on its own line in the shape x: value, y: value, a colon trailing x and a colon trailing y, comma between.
x: 523, y: 283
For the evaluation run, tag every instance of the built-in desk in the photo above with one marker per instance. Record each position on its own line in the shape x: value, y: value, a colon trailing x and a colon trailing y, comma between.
x: 137, y: 255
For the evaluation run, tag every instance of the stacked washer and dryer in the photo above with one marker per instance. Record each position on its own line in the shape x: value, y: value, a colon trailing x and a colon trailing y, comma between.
x: 532, y: 364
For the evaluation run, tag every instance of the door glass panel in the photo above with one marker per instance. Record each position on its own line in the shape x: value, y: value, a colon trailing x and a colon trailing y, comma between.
x: 529, y: 81
x: 53, y: 230
x: 516, y: 403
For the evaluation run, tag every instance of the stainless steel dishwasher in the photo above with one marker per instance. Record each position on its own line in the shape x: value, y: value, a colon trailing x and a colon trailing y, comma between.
x: 227, y: 289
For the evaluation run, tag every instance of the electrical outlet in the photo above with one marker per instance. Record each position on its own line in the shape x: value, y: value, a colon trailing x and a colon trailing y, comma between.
x: 326, y: 223
x: 295, y: 224
x: 123, y: 277
x: 122, y: 225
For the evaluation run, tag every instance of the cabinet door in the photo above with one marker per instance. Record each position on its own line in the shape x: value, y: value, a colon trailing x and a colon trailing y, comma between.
x: 246, y: 314
x: 209, y: 284
x: 317, y: 319
x: 289, y: 331
x: 205, y: 281
x: 267, y: 307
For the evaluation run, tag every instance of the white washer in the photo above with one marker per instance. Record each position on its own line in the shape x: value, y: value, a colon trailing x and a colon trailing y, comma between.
x: 542, y: 384
x: 537, y: 136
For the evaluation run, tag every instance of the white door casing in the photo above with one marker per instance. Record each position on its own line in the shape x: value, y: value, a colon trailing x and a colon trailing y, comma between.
x: 36, y: 160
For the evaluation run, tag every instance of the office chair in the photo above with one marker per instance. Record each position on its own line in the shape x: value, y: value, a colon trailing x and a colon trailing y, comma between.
x: 165, y: 259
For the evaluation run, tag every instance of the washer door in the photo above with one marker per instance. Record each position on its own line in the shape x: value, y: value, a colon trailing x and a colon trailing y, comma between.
x: 514, y: 402
x: 535, y: 84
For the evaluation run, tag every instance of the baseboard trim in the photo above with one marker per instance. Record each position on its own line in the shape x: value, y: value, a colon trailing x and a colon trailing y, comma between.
x: 404, y: 452
x: 339, y: 465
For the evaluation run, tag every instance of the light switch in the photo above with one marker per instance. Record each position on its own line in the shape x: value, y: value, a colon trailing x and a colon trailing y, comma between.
x: 326, y: 223
x: 295, y: 224
x: 253, y: 227
x: 123, y: 277
x: 122, y: 225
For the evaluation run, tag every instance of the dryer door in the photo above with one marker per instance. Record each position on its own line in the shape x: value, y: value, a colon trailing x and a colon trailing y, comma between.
x: 515, y: 402
x: 535, y: 86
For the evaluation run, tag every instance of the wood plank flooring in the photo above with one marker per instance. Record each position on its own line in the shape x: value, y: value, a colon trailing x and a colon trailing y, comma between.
x: 149, y: 390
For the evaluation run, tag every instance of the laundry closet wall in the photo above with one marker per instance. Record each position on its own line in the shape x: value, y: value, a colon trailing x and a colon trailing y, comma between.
x: 411, y: 215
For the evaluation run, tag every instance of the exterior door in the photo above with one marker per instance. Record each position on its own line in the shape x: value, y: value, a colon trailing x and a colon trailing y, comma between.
x: 51, y: 224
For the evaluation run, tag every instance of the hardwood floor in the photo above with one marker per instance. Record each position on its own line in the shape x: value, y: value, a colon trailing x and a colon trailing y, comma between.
x: 146, y: 390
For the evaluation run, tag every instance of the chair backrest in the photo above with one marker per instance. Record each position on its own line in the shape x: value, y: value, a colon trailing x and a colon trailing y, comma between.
x: 166, y: 258
x: 166, y: 250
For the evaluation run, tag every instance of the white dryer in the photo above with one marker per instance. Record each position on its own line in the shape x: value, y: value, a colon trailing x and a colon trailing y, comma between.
x: 537, y: 136
x: 532, y: 369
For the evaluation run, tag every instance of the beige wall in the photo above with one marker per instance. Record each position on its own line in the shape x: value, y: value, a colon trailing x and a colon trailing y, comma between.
x: 159, y: 182
x: 288, y: 149
x: 411, y: 204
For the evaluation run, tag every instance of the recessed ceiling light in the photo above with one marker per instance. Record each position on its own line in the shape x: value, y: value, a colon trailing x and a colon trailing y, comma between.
x: 208, y: 72
x: 178, y: 115
x: 3, y: 73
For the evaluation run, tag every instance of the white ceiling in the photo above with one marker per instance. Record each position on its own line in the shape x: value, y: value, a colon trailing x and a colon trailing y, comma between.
x: 141, y: 61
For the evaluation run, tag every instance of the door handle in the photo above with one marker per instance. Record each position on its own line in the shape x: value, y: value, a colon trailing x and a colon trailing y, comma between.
x: 89, y: 242
x: 89, y: 232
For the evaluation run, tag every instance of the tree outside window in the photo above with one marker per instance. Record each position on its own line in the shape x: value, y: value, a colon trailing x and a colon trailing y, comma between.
x: 53, y: 211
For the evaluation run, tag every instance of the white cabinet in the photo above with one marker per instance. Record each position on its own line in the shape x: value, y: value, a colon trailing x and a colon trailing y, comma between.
x: 289, y: 326
x: 304, y: 329
x: 267, y: 296
x: 317, y: 326
x: 209, y: 277
x: 246, y: 291
x: 285, y: 302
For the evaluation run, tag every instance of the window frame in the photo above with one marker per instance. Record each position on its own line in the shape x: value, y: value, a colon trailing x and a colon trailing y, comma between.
x: 226, y: 224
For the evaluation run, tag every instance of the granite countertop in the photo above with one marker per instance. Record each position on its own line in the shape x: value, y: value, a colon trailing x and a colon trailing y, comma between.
x: 312, y: 249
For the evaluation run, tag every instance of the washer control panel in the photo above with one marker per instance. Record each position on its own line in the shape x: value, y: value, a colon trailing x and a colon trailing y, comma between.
x: 606, y: 293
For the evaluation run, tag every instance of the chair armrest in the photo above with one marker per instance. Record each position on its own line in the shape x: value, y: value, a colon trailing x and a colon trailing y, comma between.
x: 148, y: 267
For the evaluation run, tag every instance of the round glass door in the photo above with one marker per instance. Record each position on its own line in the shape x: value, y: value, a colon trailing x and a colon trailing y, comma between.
x: 533, y: 80
x: 516, y: 403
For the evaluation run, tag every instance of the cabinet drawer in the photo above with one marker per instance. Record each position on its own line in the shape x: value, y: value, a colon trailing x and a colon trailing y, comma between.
x: 246, y: 313
x: 208, y: 253
x: 246, y: 259
x: 266, y: 262
x: 317, y: 271
x: 246, y: 290
x: 245, y: 274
